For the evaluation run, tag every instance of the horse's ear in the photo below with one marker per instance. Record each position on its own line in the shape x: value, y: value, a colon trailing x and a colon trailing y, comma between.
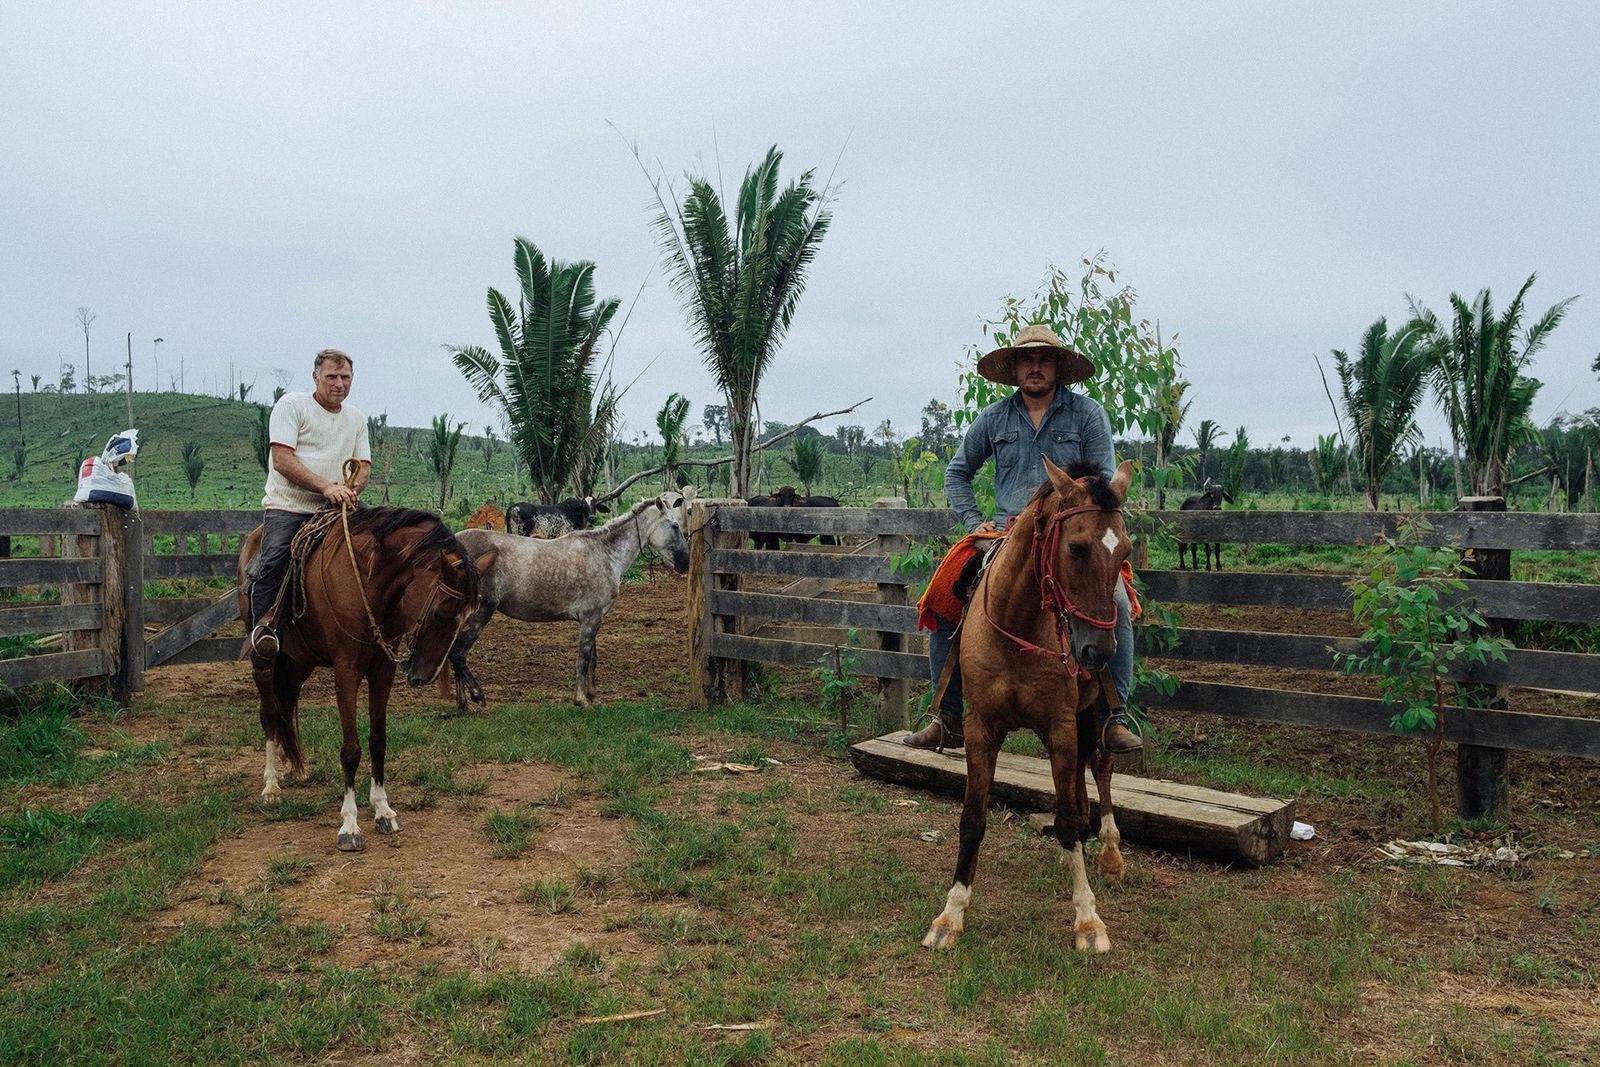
x: 485, y: 561
x: 1067, y: 488
x: 1122, y: 479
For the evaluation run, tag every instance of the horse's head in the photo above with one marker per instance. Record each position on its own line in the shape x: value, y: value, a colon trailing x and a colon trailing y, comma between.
x: 662, y: 527
x: 1084, y: 543
x: 441, y: 594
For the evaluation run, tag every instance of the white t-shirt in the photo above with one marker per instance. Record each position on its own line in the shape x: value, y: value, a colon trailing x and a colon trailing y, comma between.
x: 321, y: 439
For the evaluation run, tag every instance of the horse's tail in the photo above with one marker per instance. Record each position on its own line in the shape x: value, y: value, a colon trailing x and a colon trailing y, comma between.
x: 284, y: 727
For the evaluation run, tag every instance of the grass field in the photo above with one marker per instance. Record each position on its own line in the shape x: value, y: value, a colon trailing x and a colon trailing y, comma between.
x: 152, y: 910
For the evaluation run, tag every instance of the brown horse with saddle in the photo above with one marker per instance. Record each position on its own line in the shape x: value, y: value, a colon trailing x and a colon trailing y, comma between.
x: 1038, y: 630
x: 370, y: 590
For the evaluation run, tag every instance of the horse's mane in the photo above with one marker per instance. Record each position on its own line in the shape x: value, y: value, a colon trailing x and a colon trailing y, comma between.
x: 1094, y: 483
x: 380, y: 522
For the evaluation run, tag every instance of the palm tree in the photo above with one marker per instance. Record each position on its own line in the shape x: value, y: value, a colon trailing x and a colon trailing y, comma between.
x: 442, y: 445
x: 1233, y: 470
x: 544, y: 378
x: 1171, y: 409
x: 1477, y: 366
x: 192, y: 465
x: 1382, y: 388
x: 1207, y: 435
x: 1326, y: 462
x: 741, y: 281
x: 806, y: 461
x: 670, y: 421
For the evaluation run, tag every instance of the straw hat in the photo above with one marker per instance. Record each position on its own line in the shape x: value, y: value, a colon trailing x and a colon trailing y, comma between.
x: 1000, y: 365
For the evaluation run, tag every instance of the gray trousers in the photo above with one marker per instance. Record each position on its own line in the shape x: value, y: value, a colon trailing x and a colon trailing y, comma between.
x: 272, y: 562
x: 1121, y: 659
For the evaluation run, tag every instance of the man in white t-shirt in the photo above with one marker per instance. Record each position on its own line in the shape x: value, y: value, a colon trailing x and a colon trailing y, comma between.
x: 313, y: 435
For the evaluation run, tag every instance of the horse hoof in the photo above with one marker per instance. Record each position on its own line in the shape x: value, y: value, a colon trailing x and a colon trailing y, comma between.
x: 941, y: 935
x: 1110, y: 865
x: 352, y: 843
x: 388, y: 824
x: 271, y: 795
x: 1091, y: 936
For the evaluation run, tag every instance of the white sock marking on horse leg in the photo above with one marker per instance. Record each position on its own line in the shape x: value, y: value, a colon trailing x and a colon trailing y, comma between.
x: 349, y: 812
x: 269, y: 774
x: 1110, y: 862
x: 1089, y: 933
x: 949, y: 923
x: 381, y: 809
x: 1111, y: 541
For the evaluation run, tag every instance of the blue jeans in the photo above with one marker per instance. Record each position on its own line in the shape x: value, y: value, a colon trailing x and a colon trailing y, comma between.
x: 1121, y: 659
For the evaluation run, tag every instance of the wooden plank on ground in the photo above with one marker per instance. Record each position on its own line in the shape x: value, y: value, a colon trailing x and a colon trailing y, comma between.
x: 169, y: 642
x: 870, y: 662
x: 1169, y: 815
x: 15, y: 521
x: 855, y: 522
x: 1455, y: 529
x: 1556, y: 734
x: 56, y: 667
x: 52, y: 571
x: 48, y: 618
x: 894, y: 618
x: 1568, y: 671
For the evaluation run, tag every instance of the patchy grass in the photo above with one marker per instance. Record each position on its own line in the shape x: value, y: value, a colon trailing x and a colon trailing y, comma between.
x: 510, y: 831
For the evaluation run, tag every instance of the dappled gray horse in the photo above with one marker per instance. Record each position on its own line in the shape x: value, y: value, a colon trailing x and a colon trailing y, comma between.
x: 571, y: 577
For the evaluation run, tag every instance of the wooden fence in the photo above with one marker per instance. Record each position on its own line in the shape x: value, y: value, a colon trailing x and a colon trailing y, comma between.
x: 104, y: 561
x: 1483, y: 735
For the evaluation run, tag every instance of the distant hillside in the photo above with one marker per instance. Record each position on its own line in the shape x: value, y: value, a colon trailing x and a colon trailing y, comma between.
x: 61, y: 430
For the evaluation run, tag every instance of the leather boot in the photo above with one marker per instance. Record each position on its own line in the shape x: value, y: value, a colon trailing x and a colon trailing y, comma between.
x: 942, y: 733
x: 1117, y: 737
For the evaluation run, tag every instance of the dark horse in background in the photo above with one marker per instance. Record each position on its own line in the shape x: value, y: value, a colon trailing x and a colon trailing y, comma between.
x: 389, y: 590
x: 1208, y: 499
x: 1040, y: 626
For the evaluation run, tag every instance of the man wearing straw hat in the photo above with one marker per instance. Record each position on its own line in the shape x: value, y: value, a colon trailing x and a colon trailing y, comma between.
x: 1044, y: 417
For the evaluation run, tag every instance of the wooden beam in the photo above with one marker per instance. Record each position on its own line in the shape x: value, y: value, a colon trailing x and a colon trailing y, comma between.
x: 1568, y: 671
x: 1451, y: 529
x: 211, y: 650
x: 164, y: 611
x: 892, y: 618
x: 134, y: 546
x: 869, y: 661
x: 862, y: 568
x: 202, y: 522
x: 208, y: 565
x: 1169, y: 815
x: 855, y: 522
x: 71, y: 570
x: 1556, y: 734
x: 894, y: 697
x: 55, y: 667
x: 48, y: 618
x: 74, y: 520
x: 169, y: 642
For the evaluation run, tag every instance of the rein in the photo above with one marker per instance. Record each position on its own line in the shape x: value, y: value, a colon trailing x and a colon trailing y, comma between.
x: 1053, y: 596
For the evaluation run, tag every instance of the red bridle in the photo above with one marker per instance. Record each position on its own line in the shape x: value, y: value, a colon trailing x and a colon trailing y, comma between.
x: 1053, y: 595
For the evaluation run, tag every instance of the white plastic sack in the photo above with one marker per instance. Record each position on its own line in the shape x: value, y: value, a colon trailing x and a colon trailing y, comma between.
x: 101, y: 479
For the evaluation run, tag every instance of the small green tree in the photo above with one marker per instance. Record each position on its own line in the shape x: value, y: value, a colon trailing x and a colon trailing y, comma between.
x: 192, y: 465
x: 806, y: 462
x: 1233, y: 468
x: 670, y: 423
x: 1419, y: 633
x: 261, y: 435
x: 1382, y: 387
x: 1207, y: 435
x: 911, y: 462
x: 490, y: 444
x: 19, y: 462
x: 1327, y: 462
x: 442, y: 445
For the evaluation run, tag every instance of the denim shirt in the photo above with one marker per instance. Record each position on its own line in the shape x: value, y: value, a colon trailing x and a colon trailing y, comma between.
x: 1074, y: 430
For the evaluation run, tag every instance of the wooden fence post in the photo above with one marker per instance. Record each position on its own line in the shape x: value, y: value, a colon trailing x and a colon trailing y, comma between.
x: 712, y: 679
x: 894, y: 712
x: 85, y: 546
x: 131, y: 679
x: 1482, y: 773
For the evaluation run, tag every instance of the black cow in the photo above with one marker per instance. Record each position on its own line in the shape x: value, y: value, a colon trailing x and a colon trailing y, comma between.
x: 553, y: 520
x: 1209, y: 499
x: 787, y: 497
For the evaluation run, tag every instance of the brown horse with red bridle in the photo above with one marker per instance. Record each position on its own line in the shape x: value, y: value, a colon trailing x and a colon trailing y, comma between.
x: 382, y: 588
x: 1039, y: 628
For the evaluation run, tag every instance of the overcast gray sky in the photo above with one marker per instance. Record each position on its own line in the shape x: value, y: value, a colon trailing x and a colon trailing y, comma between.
x: 256, y: 182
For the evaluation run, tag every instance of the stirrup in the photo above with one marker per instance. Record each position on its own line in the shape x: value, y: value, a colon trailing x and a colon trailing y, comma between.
x: 1114, y: 719
x: 264, y: 641
x: 936, y: 736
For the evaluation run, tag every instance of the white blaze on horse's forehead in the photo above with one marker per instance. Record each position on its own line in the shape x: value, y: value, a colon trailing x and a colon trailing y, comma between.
x: 1111, y: 541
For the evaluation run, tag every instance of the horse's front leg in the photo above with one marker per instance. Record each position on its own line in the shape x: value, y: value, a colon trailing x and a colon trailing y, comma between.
x: 1089, y: 933
x: 1182, y: 548
x: 347, y: 688
x: 380, y: 679
x: 983, y: 749
x: 587, y: 632
x: 1109, y: 863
